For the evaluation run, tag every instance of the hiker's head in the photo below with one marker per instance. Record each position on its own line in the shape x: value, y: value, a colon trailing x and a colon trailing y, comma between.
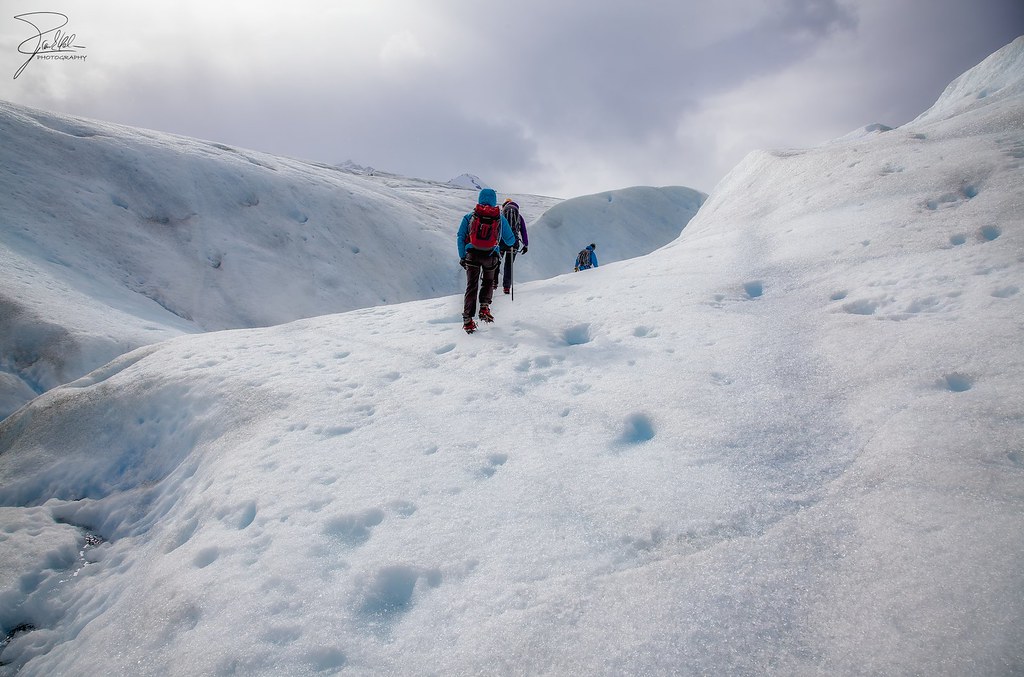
x: 488, y: 197
x: 592, y: 246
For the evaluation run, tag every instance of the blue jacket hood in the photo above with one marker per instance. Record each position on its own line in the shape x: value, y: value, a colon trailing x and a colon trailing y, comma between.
x: 488, y: 197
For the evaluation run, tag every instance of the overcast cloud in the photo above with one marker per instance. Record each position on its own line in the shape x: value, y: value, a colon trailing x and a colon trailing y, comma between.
x: 534, y: 96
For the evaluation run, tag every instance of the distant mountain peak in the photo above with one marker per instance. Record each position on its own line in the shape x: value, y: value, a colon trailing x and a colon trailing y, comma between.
x: 350, y: 166
x: 468, y: 181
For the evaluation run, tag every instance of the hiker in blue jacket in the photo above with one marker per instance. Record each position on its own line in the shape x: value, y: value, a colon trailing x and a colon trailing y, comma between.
x: 586, y: 258
x: 478, y: 238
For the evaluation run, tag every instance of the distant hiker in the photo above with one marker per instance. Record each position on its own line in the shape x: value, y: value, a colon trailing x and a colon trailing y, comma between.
x: 510, y: 210
x: 587, y: 258
x: 479, y: 234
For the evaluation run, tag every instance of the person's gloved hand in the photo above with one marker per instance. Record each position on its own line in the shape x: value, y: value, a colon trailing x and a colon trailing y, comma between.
x: 462, y: 262
x: 524, y: 249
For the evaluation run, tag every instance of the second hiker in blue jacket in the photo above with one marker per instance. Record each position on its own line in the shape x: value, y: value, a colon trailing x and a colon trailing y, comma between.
x: 587, y: 258
x: 477, y: 240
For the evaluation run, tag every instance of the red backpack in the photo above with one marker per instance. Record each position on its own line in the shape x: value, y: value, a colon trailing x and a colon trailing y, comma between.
x: 484, y: 227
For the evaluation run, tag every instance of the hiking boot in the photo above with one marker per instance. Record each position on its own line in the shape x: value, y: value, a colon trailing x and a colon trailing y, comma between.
x: 507, y: 290
x: 485, y: 314
x: 469, y: 325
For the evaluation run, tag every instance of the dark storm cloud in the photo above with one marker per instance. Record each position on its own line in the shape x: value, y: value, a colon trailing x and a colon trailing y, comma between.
x: 609, y: 66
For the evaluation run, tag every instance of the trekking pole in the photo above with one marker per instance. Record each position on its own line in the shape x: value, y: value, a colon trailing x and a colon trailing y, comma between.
x: 511, y: 280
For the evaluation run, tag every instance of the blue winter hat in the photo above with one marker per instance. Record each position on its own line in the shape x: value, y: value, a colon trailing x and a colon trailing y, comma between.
x: 488, y: 197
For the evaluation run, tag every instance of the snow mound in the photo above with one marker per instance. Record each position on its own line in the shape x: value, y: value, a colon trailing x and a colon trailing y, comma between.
x: 623, y: 223
x: 865, y: 131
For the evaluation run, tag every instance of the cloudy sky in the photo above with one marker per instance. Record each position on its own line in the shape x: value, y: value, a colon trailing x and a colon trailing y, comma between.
x: 549, y: 97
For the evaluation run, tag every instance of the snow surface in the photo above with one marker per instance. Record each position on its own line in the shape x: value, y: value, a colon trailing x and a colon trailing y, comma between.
x: 789, y: 442
x: 112, y: 238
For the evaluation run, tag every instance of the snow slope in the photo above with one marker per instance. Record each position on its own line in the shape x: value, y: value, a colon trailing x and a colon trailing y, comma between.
x: 997, y: 78
x: 789, y: 442
x: 112, y: 238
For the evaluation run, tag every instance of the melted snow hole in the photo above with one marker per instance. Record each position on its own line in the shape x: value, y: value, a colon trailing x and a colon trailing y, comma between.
x: 92, y: 541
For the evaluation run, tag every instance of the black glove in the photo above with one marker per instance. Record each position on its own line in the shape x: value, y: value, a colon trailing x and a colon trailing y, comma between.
x: 462, y: 262
x: 524, y: 249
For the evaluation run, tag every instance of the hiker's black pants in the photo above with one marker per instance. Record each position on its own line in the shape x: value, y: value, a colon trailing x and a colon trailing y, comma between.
x: 506, y: 278
x: 479, y: 264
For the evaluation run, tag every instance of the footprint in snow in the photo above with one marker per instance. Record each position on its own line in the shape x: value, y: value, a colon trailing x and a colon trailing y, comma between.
x: 391, y: 589
x: 638, y: 428
x: 494, y: 461
x: 355, y: 528
x: 957, y: 382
